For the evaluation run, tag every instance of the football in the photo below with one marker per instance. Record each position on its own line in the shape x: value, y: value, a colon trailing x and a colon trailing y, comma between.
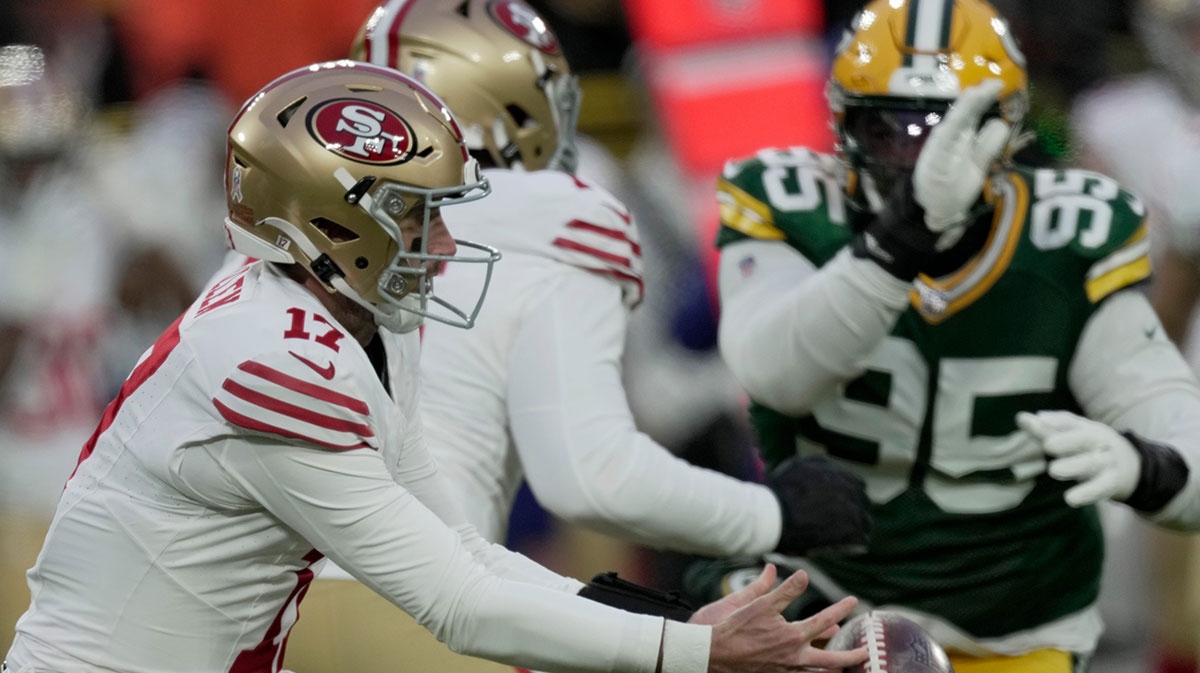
x: 895, y: 645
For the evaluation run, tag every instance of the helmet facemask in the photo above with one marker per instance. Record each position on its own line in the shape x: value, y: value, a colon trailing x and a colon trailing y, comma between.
x: 405, y: 286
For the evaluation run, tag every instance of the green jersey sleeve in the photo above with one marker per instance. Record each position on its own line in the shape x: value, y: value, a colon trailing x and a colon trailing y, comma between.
x: 791, y: 195
x: 1101, y: 226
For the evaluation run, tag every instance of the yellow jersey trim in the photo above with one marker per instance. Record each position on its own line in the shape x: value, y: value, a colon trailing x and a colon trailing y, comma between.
x: 1008, y: 222
x: 742, y: 212
x: 1038, y: 661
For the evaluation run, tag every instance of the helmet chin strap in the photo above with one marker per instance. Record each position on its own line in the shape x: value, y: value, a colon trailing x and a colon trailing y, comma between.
x: 401, y: 321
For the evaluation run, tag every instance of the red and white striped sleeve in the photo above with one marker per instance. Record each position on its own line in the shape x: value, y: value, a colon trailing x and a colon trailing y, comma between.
x: 290, y: 397
x: 602, y: 237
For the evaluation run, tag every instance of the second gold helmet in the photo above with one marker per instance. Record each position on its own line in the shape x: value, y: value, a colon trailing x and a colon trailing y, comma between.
x: 496, y: 63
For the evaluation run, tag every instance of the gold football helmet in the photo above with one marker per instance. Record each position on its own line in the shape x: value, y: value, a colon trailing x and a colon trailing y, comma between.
x: 496, y: 64
x: 323, y: 165
x: 897, y: 70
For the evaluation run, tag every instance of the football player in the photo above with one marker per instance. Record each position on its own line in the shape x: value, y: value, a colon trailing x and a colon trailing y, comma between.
x: 534, y: 389
x: 270, y: 427
x: 960, y: 331
x: 1143, y: 130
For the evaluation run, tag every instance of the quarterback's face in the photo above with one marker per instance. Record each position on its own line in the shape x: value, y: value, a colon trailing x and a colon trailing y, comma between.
x: 440, y: 242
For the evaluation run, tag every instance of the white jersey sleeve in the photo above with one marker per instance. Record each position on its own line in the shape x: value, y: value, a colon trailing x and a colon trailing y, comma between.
x: 348, y: 505
x: 1127, y: 374
x: 790, y: 331
x: 297, y: 394
x: 585, y: 459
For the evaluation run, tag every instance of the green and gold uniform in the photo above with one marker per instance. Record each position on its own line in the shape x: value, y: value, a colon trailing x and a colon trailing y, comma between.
x: 967, y: 527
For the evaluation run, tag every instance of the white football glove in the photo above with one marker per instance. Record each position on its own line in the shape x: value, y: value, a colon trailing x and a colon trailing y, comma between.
x: 956, y: 160
x: 1104, y: 463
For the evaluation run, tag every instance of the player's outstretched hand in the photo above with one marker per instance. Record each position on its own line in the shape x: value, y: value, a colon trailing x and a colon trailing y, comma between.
x: 956, y: 160
x: 755, y: 638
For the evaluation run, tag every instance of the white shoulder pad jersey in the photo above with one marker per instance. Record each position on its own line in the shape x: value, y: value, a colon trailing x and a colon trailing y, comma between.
x: 556, y: 216
x: 534, y: 390
x: 186, y: 581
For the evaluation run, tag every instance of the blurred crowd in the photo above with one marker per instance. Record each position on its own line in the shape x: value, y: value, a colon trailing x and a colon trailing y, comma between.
x: 112, y: 115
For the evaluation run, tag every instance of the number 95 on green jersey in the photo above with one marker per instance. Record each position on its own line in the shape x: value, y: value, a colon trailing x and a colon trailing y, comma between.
x: 965, y: 519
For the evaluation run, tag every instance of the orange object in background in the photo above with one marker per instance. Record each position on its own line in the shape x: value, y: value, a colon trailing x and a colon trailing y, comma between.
x: 238, y: 45
x: 730, y: 77
x: 673, y: 23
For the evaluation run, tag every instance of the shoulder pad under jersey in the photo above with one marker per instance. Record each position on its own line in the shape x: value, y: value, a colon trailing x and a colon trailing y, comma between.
x: 285, y: 369
x: 1101, y: 226
x: 565, y: 218
x: 791, y: 195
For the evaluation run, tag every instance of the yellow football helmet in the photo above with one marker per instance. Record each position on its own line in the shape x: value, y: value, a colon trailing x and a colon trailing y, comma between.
x: 323, y: 164
x: 496, y: 63
x: 899, y: 67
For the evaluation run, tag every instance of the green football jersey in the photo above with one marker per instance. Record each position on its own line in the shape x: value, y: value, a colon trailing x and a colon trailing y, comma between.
x: 967, y: 525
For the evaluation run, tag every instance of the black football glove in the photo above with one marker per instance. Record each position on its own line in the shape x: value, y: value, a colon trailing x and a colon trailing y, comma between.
x: 825, y: 507
x: 897, y: 239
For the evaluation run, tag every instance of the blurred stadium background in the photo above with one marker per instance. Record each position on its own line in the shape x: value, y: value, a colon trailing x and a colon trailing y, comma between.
x: 111, y: 205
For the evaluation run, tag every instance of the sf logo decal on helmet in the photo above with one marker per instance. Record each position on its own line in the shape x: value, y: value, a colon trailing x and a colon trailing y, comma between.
x: 362, y: 131
x: 522, y: 21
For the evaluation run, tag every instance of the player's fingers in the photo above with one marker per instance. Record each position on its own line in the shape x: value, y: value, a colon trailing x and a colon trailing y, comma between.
x: 1044, y: 423
x: 974, y: 101
x: 1088, y: 493
x: 761, y: 586
x: 990, y: 143
x: 814, y: 626
x: 1076, y: 468
x: 828, y: 633
x: 1070, y: 442
x: 833, y: 659
x: 789, y: 590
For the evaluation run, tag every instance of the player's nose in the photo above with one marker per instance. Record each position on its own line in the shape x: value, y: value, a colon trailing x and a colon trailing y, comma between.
x: 440, y: 240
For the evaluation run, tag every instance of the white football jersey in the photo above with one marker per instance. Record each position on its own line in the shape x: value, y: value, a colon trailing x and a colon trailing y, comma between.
x: 176, y: 580
x: 548, y: 225
x: 534, y: 390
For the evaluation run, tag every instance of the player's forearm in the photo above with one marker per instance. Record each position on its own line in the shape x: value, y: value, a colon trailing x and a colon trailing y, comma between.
x: 789, y: 344
x: 558, y: 632
x: 510, y: 565
x: 624, y: 484
x: 1128, y: 375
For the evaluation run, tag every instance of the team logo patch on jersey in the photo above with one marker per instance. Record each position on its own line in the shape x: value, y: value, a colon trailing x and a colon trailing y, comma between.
x: 520, y: 20
x: 362, y: 131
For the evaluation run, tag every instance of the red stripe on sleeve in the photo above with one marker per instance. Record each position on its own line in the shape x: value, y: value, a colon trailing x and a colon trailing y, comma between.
x: 158, y: 355
x: 297, y: 412
x: 628, y: 217
x: 258, y: 426
x: 297, y: 385
x: 615, y: 234
x: 588, y: 250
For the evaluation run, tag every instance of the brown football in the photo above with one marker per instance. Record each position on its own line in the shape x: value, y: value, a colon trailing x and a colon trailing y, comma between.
x: 894, y: 645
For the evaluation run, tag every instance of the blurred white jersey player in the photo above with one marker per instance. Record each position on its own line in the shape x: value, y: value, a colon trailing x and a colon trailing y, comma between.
x: 534, y: 389
x: 1144, y: 130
